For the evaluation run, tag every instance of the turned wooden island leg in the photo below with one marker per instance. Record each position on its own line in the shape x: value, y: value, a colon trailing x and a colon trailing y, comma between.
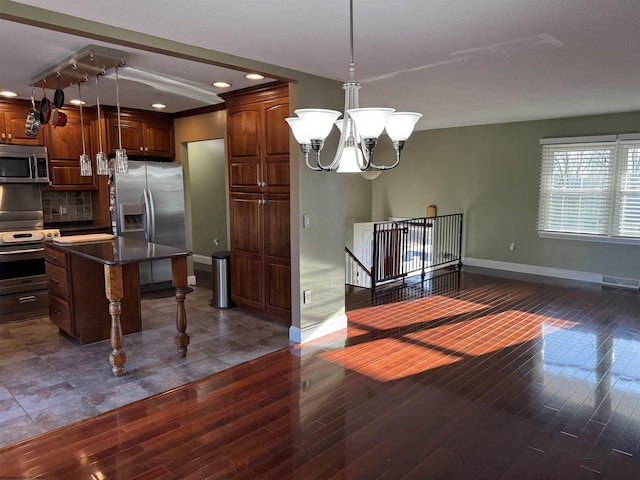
x: 179, y: 280
x: 114, y: 292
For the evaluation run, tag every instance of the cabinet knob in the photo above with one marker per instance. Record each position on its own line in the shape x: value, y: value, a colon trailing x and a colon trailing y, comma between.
x: 9, y: 136
x: 141, y: 149
x: 146, y: 149
x: 4, y: 136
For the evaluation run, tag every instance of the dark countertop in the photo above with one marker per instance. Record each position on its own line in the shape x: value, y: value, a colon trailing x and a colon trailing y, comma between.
x: 120, y: 250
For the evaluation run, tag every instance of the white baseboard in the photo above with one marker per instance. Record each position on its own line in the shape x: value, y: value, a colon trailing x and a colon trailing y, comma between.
x: 318, y: 330
x: 204, y: 259
x: 534, y: 270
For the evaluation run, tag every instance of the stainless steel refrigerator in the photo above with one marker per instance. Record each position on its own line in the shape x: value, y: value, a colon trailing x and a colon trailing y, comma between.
x: 149, y: 205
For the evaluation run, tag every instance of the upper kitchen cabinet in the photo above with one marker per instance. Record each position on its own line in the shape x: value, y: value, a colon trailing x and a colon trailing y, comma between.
x: 64, y: 147
x: 143, y: 133
x: 258, y: 139
x: 13, y: 117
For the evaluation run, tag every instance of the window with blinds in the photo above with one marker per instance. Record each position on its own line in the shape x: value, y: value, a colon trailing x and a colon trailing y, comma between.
x: 591, y: 187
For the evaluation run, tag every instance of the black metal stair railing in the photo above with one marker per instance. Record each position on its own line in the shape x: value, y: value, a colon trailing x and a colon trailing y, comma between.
x: 403, y: 248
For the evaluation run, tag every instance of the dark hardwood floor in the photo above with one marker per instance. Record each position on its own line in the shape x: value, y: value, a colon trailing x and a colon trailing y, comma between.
x: 476, y: 377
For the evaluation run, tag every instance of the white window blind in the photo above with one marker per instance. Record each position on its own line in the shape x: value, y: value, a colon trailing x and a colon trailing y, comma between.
x: 627, y: 205
x: 591, y: 188
x: 576, y: 188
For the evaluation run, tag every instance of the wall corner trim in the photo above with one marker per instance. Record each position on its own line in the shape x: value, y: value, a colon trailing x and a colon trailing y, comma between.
x: 313, y: 332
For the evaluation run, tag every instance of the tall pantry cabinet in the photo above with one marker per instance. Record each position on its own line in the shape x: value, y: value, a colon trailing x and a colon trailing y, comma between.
x: 258, y: 166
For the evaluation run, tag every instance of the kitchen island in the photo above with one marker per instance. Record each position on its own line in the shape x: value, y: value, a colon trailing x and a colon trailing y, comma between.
x: 116, y: 254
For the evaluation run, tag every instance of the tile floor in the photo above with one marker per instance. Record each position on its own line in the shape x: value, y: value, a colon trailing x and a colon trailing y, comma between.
x: 47, y: 381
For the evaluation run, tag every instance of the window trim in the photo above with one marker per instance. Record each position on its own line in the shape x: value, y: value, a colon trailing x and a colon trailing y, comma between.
x: 585, y: 237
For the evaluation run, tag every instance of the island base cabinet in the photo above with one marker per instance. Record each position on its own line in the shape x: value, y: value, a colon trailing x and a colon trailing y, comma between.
x: 77, y: 302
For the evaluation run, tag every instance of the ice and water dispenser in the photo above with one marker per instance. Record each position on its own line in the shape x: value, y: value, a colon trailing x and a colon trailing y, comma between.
x: 132, y: 217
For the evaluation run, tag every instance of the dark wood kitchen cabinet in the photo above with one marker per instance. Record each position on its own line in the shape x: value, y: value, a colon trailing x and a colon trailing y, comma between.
x: 260, y: 252
x: 13, y: 119
x: 64, y: 147
x: 77, y: 303
x: 146, y: 134
x: 258, y: 165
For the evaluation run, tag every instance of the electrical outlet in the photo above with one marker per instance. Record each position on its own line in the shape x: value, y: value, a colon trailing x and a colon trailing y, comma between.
x: 63, y: 210
x: 216, y: 241
x: 512, y: 247
x: 306, y: 296
x: 306, y: 220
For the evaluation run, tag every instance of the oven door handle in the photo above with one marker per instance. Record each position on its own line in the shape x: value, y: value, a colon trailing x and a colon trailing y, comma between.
x: 27, y: 250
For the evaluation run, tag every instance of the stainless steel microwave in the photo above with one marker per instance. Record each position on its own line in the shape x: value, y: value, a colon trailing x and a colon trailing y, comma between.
x: 23, y: 164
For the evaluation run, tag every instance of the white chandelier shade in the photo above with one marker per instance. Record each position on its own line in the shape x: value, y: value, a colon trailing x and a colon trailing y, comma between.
x: 400, y: 125
x: 360, y: 129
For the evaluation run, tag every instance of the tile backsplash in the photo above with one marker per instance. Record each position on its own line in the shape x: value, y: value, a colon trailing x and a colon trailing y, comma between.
x: 66, y: 206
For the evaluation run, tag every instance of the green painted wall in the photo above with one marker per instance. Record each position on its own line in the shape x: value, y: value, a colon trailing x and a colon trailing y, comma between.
x: 206, y: 160
x: 358, y: 196
x: 491, y: 173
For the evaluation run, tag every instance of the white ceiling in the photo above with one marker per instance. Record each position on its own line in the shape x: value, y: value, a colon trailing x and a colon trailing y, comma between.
x: 462, y: 62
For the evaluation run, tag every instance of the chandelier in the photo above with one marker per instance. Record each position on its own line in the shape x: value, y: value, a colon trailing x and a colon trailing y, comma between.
x: 359, y: 128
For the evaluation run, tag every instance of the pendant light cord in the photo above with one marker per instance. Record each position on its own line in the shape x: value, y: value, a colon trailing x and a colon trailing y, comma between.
x: 98, y: 106
x: 81, y: 118
x: 352, y: 65
x: 118, y: 105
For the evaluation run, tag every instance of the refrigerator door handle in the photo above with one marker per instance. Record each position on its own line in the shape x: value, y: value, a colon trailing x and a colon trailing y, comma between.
x: 152, y: 216
x: 147, y: 215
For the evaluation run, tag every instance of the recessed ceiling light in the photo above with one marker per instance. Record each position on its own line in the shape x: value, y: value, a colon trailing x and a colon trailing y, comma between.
x: 254, y: 76
x: 221, y: 84
x: 159, y: 106
x: 76, y: 101
x: 8, y: 94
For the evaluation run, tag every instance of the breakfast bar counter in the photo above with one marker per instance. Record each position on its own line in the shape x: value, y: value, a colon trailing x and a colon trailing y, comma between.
x: 114, y: 254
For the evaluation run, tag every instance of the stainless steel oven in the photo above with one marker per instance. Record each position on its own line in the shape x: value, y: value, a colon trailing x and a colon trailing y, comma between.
x: 23, y: 283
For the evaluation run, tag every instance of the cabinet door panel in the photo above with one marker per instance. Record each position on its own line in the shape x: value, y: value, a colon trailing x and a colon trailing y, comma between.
x: 65, y: 143
x: 246, y: 223
x: 57, y: 280
x: 246, y: 280
x: 245, y: 176
x: 276, y: 129
x: 278, y: 297
x: 243, y: 131
x: 64, y: 147
x: 277, y: 175
x: 60, y: 314
x: 65, y: 175
x: 15, y: 123
x: 158, y: 140
x: 131, y: 136
x: 277, y: 227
